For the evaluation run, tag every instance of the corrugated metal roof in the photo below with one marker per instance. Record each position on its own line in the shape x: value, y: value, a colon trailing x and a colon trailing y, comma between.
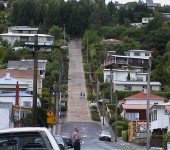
x: 143, y: 96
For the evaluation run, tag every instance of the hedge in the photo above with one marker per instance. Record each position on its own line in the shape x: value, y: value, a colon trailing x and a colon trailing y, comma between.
x: 124, y: 124
x: 165, y: 140
x: 125, y: 135
x: 119, y: 131
x: 95, y: 115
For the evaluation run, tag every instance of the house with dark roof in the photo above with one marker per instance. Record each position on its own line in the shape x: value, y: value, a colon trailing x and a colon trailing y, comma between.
x: 28, y: 64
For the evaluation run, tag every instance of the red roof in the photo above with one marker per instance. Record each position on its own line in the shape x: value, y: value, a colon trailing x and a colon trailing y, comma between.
x: 135, y: 106
x: 168, y: 107
x: 18, y: 73
x: 143, y: 96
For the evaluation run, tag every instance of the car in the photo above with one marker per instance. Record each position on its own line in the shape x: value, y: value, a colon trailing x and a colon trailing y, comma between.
x: 100, y: 101
x: 67, y: 139
x: 61, y: 142
x: 27, y: 138
x: 105, y: 135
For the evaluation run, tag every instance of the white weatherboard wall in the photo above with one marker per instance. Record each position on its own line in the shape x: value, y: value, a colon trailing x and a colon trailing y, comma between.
x: 4, y: 115
x: 161, y: 122
x: 143, y: 101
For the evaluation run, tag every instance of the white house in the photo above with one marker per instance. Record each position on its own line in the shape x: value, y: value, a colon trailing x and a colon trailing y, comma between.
x: 9, y: 78
x: 25, y: 99
x: 136, y: 82
x: 6, y: 115
x: 160, y: 117
x: 27, y: 34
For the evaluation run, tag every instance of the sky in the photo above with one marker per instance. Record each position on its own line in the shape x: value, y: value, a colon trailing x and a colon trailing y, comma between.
x: 163, y: 2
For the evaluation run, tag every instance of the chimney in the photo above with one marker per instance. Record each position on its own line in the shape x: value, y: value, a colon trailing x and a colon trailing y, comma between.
x: 8, y: 76
x: 17, y: 94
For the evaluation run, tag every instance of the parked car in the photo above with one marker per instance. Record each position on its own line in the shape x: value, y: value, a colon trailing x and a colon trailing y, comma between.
x: 25, y: 138
x: 105, y: 135
x: 67, y: 139
x: 61, y: 142
x: 100, y: 101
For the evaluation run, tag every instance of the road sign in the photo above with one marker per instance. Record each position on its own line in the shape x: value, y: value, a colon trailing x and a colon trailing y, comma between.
x: 50, y: 114
x: 51, y: 120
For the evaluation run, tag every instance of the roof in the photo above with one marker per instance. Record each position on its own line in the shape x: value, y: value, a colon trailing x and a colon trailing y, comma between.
x: 23, y: 34
x: 136, y: 83
x: 142, y: 95
x: 16, y: 64
x: 12, y: 81
x: 13, y: 94
x: 139, y: 50
x: 135, y: 106
x: 114, y: 41
x: 18, y: 73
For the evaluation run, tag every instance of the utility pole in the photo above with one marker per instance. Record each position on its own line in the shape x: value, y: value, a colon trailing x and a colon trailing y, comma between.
x: 148, y: 105
x: 35, y: 56
x: 64, y: 35
x: 103, y: 108
x: 116, y: 119
x: 97, y: 89
x: 111, y: 85
x: 87, y: 48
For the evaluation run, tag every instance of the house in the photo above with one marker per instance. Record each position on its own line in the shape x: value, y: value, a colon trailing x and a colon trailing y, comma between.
x: 27, y: 34
x: 9, y: 78
x: 110, y: 41
x: 6, y: 115
x: 22, y: 29
x: 24, y: 99
x: 28, y: 64
x: 134, y: 106
x: 8, y: 83
x: 135, y: 59
x: 133, y: 80
x: 145, y: 20
x: 160, y: 117
x: 129, y: 72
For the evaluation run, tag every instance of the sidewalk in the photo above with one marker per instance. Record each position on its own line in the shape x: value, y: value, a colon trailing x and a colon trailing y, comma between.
x: 120, y: 141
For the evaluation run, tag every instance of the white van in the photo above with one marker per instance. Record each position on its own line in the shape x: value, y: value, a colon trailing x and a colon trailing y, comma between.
x: 27, y: 138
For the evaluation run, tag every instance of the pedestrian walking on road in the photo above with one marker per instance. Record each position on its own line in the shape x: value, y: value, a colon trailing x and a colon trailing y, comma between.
x: 76, y: 139
x: 81, y: 94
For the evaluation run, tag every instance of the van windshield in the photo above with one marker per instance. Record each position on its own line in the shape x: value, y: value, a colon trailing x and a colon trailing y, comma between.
x: 22, y: 141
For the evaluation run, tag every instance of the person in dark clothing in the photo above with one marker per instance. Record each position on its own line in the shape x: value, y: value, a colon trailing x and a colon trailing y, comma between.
x: 76, y: 139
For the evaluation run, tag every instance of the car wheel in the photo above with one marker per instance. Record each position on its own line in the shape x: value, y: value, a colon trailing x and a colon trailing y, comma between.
x: 109, y: 140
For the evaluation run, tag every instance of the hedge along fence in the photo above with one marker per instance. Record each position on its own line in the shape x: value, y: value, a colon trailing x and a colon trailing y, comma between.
x: 95, y: 114
x: 166, y: 138
x: 125, y: 135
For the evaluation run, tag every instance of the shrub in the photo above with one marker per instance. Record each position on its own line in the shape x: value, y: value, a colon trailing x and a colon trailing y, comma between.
x: 124, y: 124
x: 111, y: 120
x: 125, y: 135
x: 119, y: 131
x: 95, y: 115
x: 63, y: 108
x: 165, y: 140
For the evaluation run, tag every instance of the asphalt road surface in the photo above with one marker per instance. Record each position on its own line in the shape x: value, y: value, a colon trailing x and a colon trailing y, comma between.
x: 91, y: 141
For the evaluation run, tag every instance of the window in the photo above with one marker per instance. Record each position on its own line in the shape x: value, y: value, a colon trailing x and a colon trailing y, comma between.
x: 128, y: 87
x: 147, y: 54
x: 132, y: 116
x: 107, y: 77
x: 136, y: 54
x: 154, y: 115
x: 27, y: 104
x: 139, y: 79
x: 17, y: 115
